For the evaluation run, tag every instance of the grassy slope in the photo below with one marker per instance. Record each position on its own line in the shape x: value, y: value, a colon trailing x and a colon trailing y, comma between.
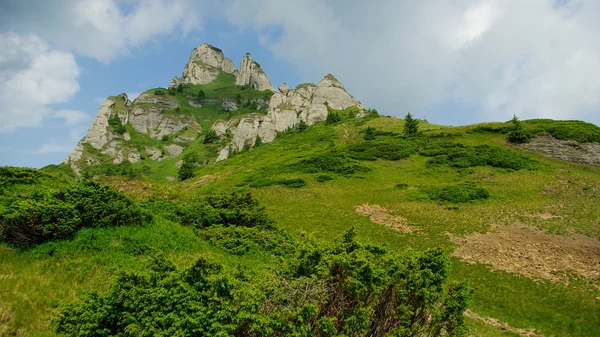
x: 32, y: 283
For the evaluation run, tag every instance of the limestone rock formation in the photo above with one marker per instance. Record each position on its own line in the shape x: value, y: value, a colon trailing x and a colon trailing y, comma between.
x: 204, y: 66
x: 229, y: 106
x: 283, y: 88
x: 250, y: 73
x: 99, y: 133
x: 148, y: 117
x: 307, y: 102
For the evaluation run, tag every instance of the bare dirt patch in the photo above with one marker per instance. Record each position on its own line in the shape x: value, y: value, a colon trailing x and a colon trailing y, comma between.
x: 568, y: 150
x: 381, y: 216
x: 532, y: 252
x: 501, y: 325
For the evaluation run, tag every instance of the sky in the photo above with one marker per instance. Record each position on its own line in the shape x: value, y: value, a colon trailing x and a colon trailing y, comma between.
x: 452, y: 62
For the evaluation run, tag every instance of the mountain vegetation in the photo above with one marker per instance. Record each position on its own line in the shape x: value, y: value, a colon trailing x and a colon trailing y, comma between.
x: 243, y: 212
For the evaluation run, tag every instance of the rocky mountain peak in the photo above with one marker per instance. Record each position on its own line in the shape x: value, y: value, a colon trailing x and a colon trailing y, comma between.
x: 250, y: 73
x: 204, y: 66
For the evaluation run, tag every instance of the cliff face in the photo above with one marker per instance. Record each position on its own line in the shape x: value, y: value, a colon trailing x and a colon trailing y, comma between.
x: 204, y: 66
x: 250, y: 73
x: 161, y: 124
x: 307, y: 102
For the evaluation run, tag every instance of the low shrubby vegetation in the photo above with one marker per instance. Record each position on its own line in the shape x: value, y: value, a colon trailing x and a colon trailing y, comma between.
x: 47, y: 214
x: 343, y: 287
x: 463, y: 192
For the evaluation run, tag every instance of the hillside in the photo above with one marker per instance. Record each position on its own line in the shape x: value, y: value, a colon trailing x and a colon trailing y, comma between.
x: 348, y: 195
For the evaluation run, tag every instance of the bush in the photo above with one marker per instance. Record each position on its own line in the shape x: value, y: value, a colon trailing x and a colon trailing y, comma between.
x: 210, y: 137
x: 333, y: 117
x: 242, y: 240
x: 332, y: 161
x: 324, y: 177
x: 114, y: 123
x: 518, y: 134
x: 186, y: 170
x: 292, y: 183
x: 343, y: 288
x: 301, y: 126
x: 369, y: 133
x: 402, y: 186
x: 233, y: 209
x: 463, y: 156
x: 45, y: 216
x: 391, y: 149
x: 159, y: 92
x: 458, y: 193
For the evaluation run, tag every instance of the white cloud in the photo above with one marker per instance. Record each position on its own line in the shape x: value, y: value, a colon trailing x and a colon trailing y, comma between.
x: 32, y: 77
x: 71, y: 117
x: 531, y: 58
x: 54, y: 148
x: 104, y: 29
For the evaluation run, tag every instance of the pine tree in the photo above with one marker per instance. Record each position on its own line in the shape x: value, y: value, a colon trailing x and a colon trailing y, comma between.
x: 411, y: 125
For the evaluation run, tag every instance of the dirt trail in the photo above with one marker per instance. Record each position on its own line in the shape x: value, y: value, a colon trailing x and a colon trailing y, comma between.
x: 501, y: 325
x: 532, y: 252
x: 381, y: 216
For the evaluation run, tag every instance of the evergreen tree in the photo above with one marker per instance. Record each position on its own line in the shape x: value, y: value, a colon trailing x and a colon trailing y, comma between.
x: 302, y: 126
x: 411, y: 125
x: 201, y: 94
x: 370, y: 133
x: 518, y: 134
x: 186, y: 171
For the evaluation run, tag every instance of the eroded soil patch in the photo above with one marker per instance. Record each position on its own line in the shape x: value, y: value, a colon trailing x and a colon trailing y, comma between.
x: 381, y: 216
x: 501, y: 325
x: 532, y: 252
x: 568, y: 150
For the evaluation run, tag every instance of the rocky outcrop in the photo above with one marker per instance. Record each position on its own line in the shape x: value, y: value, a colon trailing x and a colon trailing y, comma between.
x: 229, y: 106
x: 99, y: 133
x: 148, y: 116
x: 283, y: 88
x: 568, y: 150
x: 308, y: 102
x: 250, y: 73
x: 204, y: 66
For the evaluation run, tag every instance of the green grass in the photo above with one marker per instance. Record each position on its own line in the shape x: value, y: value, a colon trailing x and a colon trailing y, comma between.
x: 37, y: 282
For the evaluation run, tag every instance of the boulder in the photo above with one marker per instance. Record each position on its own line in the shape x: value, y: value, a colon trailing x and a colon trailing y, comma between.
x: 174, y: 150
x: 283, y: 88
x: 250, y: 73
x: 229, y: 106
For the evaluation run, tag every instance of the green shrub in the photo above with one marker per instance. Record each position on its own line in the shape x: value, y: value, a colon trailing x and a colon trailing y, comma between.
x: 114, y: 123
x: 565, y: 130
x: 19, y: 175
x: 463, y: 156
x: 333, y: 117
x: 343, y: 288
x: 389, y: 149
x: 186, y: 170
x: 44, y: 216
x: 324, y: 177
x: 233, y: 209
x: 332, y: 161
x: 159, y: 92
x: 242, y: 240
x: 402, y: 186
x: 458, y: 193
x: 518, y: 134
x: 369, y: 133
x: 292, y: 183
x: 210, y: 137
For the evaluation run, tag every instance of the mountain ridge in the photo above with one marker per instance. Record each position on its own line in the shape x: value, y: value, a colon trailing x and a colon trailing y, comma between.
x: 177, y: 114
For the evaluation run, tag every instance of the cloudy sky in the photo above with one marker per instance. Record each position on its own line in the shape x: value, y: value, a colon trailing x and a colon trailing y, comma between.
x: 450, y: 61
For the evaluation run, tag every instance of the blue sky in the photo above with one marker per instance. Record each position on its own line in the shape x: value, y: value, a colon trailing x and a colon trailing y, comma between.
x: 451, y: 61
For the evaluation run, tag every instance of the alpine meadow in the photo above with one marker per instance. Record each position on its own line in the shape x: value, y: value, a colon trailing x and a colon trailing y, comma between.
x: 221, y: 206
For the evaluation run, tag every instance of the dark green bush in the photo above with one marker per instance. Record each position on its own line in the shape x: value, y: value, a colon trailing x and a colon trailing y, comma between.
x: 517, y: 133
x: 388, y: 149
x: 458, y: 193
x: 565, y: 130
x: 332, y: 161
x: 233, y: 209
x: 333, y: 117
x: 293, y: 183
x: 241, y: 240
x: 343, y: 288
x: 45, y: 216
x: 210, y: 137
x: 463, y: 156
x: 19, y: 175
x: 115, y: 124
x: 402, y: 186
x: 323, y: 178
